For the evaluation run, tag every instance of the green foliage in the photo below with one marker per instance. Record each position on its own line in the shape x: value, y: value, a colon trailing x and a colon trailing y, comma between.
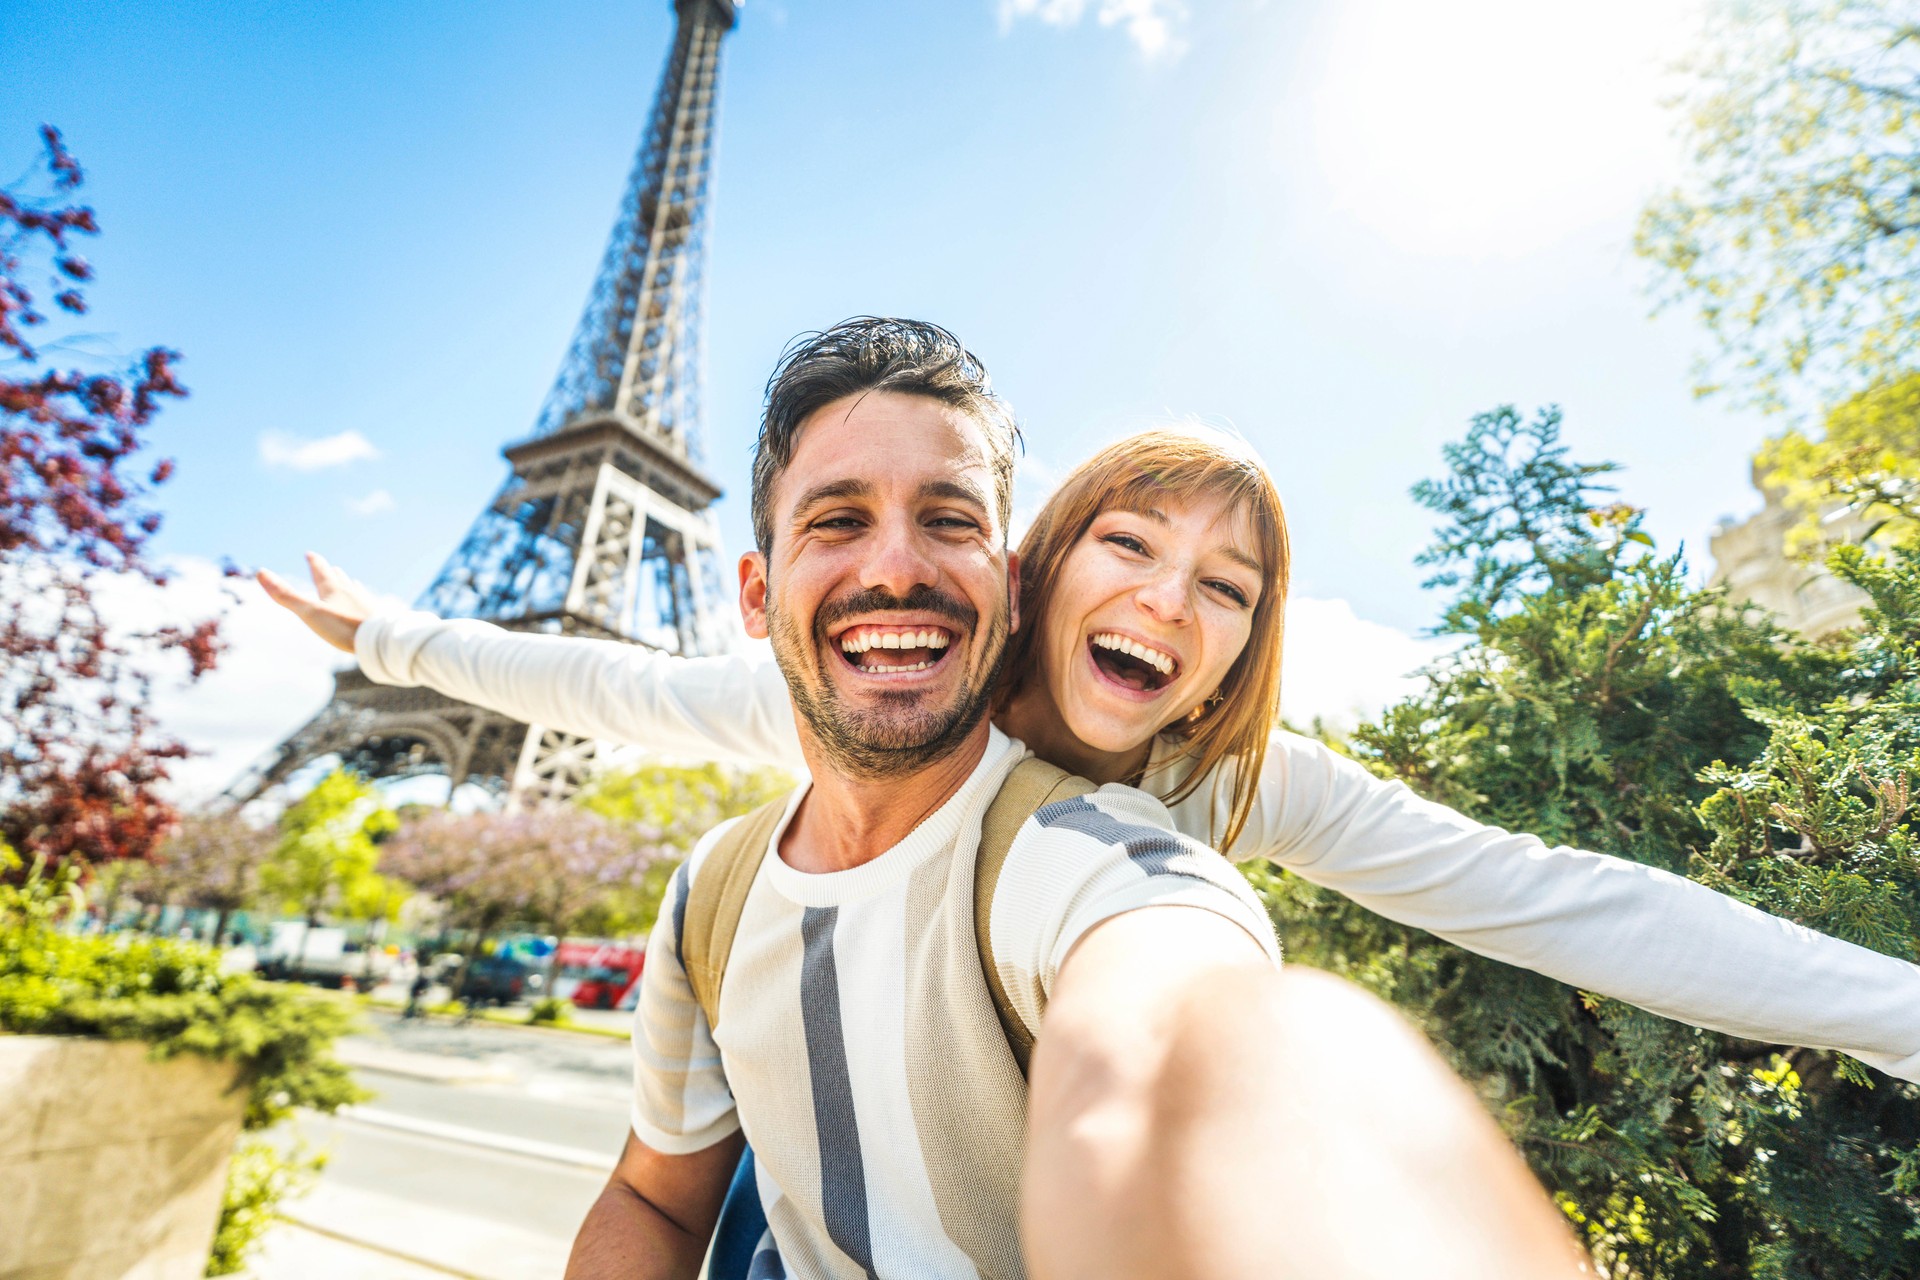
x: 1596, y: 701
x: 551, y: 1011
x: 328, y: 851
x: 259, y: 1178
x: 173, y: 996
x: 680, y: 803
x: 1795, y: 235
x: 1868, y: 460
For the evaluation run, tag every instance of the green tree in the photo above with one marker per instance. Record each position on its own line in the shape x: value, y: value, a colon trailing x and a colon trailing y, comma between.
x: 676, y: 804
x: 328, y: 853
x: 1867, y: 460
x: 1795, y: 235
x: 1597, y: 700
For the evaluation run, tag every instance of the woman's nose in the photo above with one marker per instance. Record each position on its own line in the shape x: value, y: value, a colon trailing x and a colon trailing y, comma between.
x: 1167, y: 598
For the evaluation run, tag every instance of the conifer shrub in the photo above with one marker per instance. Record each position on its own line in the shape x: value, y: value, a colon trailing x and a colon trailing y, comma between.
x: 1600, y: 700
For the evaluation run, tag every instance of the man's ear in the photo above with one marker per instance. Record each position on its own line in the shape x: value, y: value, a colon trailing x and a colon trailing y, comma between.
x: 1013, y: 591
x: 753, y: 594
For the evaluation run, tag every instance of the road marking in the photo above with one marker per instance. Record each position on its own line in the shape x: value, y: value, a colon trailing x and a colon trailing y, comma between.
x: 578, y: 1156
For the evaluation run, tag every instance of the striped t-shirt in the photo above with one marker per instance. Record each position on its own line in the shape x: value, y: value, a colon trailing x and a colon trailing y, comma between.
x: 858, y: 1045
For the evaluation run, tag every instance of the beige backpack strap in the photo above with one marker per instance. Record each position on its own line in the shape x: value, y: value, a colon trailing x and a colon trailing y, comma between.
x: 716, y: 899
x: 1032, y: 783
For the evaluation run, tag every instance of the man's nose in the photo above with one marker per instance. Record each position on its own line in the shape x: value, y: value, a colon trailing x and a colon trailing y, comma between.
x: 898, y: 560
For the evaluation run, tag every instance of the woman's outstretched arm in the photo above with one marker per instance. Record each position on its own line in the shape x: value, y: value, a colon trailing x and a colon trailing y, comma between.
x: 1600, y: 923
x: 731, y: 708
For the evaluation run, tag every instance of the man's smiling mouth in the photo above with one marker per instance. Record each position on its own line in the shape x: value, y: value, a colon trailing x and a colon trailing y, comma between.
x: 1130, y: 663
x: 891, y: 650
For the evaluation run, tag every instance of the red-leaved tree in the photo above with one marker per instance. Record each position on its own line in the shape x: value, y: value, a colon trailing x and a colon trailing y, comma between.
x: 82, y: 762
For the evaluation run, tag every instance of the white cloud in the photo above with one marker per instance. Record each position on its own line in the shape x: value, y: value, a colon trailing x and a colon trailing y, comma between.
x: 278, y: 449
x: 371, y: 505
x: 1343, y: 669
x: 1152, y: 25
x: 273, y: 676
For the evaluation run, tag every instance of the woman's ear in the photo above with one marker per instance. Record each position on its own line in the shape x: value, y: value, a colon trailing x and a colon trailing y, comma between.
x: 753, y: 594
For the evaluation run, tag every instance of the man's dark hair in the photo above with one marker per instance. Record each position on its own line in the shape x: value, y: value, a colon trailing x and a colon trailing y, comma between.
x: 875, y: 353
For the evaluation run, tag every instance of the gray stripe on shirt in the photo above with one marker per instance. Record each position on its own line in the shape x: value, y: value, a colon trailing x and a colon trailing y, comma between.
x: 682, y: 889
x: 1153, y: 849
x: 843, y: 1176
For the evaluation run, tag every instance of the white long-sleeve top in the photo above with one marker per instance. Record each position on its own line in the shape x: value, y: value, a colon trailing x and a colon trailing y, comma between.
x: 1600, y: 923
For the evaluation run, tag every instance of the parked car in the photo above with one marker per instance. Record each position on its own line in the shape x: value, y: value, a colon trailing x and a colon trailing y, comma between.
x: 501, y: 980
x: 322, y: 956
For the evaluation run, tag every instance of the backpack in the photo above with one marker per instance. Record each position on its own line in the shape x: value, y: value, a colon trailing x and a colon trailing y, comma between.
x: 719, y: 893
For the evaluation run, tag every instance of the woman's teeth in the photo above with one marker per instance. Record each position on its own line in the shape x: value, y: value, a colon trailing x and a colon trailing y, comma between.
x: 1161, y: 662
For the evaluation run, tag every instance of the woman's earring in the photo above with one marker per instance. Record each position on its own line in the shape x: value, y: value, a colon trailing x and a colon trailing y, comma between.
x: 1216, y: 698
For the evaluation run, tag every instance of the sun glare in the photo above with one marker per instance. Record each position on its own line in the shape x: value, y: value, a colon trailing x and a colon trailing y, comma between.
x: 1495, y: 127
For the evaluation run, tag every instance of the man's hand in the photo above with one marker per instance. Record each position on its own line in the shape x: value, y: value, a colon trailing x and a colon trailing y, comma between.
x: 340, y: 607
x: 1197, y: 1113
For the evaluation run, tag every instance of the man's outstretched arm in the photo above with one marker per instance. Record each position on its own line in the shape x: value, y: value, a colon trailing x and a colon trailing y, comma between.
x: 655, y: 1216
x: 1197, y: 1112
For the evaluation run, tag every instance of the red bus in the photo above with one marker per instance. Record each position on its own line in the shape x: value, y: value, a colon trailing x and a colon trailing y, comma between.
x: 597, y: 975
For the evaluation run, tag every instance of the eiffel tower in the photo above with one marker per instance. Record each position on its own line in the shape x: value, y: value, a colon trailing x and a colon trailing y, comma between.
x: 603, y: 527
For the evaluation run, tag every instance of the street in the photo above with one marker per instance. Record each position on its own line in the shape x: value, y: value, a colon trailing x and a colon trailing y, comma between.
x: 478, y: 1157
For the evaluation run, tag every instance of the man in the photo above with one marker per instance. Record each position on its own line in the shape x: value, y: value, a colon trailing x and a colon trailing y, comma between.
x: 1193, y: 1111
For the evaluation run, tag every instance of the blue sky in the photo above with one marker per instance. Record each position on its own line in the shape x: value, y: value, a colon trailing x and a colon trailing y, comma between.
x: 1340, y: 228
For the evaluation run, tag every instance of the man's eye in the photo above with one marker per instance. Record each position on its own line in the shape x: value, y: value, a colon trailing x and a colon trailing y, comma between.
x: 954, y: 522
x: 836, y: 523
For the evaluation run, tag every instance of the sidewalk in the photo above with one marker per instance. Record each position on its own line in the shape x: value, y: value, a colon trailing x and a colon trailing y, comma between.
x: 337, y: 1233
x: 294, y: 1251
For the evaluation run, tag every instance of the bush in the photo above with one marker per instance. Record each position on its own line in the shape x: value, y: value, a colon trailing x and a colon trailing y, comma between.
x: 260, y: 1176
x: 551, y: 1010
x: 173, y: 996
x: 1597, y: 702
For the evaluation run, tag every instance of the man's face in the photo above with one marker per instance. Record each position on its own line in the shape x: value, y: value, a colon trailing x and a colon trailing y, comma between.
x: 887, y: 592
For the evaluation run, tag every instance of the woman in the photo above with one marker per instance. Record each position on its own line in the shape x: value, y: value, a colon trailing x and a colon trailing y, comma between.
x: 1152, y: 599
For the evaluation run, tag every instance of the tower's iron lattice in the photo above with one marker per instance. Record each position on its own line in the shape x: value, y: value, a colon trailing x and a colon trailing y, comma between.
x: 603, y: 526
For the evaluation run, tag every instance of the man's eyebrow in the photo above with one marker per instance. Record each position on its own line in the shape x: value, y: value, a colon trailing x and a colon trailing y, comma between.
x: 955, y: 490
x: 852, y: 487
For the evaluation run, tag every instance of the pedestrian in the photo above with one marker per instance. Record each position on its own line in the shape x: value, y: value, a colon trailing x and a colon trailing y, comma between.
x: 417, y: 991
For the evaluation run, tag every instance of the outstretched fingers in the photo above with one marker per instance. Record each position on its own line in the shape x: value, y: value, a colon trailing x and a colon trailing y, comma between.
x: 336, y: 614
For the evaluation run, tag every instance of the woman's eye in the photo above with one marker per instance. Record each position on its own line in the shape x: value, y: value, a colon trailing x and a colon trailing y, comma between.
x: 1231, y: 592
x: 1127, y: 541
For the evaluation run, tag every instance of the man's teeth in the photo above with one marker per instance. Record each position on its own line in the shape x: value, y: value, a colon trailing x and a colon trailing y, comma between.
x: 859, y: 641
x: 1161, y: 662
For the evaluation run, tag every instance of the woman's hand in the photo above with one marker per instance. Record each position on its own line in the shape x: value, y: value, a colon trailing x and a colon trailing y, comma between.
x: 342, y: 604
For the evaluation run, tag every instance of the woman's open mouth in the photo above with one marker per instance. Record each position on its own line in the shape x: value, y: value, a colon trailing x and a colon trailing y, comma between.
x: 888, y: 651
x: 1130, y: 664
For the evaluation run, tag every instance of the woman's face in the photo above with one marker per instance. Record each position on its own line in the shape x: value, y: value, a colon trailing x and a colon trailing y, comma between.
x: 1150, y: 610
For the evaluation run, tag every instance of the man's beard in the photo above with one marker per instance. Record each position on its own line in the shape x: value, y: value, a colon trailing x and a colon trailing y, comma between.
x: 900, y: 737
